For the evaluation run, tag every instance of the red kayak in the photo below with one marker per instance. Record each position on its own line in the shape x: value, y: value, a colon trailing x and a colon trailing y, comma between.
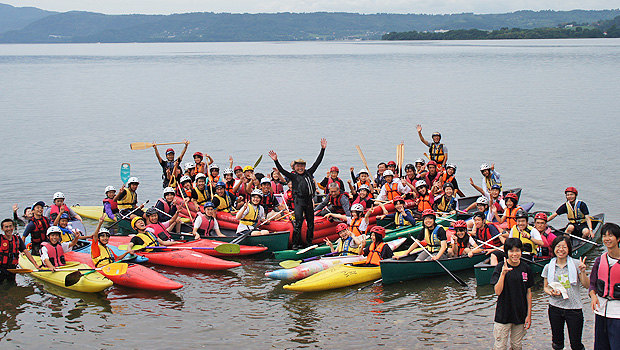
x: 203, y: 243
x: 137, y: 276
x: 188, y: 259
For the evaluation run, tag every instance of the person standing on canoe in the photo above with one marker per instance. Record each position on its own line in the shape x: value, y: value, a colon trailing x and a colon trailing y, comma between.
x: 127, y: 198
x: 37, y: 227
x: 437, y: 151
x: 303, y: 191
x: 377, y: 250
x: 100, y: 253
x: 577, y: 213
x: 53, y: 251
x: 513, y: 281
x: 205, y: 224
x: 402, y: 217
x: 491, y: 177
x: 434, y: 235
x: 10, y: 247
x: 335, y: 202
x: 347, y: 244
x: 170, y: 166
x: 604, y: 291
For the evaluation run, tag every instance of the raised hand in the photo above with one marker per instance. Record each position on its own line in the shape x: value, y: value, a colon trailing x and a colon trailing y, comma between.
x: 323, y: 143
x: 15, y: 208
x: 351, y: 169
x: 582, y: 265
x: 471, y: 182
x: 506, y: 268
x: 418, y: 128
x: 273, y: 155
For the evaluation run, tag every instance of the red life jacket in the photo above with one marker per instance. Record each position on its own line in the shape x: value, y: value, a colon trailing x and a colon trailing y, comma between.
x: 289, y: 200
x: 608, y: 279
x: 461, y: 246
x: 9, y: 251
x: 354, y: 226
x: 374, y: 254
x: 269, y: 202
x: 39, y: 234
x: 498, y: 206
x: 207, y: 224
x: 484, y: 234
x: 113, y: 205
x: 54, y: 209
x: 159, y: 228
x: 166, y: 205
x: 424, y: 202
x: 338, y: 181
x: 336, y: 203
x: 430, y: 181
x: 391, y: 190
x: 367, y: 183
x: 55, y: 253
x: 363, y: 202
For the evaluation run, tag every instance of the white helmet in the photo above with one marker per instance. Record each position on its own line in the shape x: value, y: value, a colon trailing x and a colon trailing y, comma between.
x: 357, y: 207
x: 200, y: 176
x: 363, y: 171
x: 133, y: 180
x: 54, y: 229
x: 110, y: 188
x: 168, y: 190
x: 420, y: 160
x: 451, y: 165
x: 185, y: 178
x: 485, y: 166
x: 421, y: 183
x: 482, y: 200
x: 58, y: 195
x: 103, y: 230
x: 364, y: 187
x: 214, y: 166
x: 228, y: 171
x: 388, y: 173
x: 190, y: 165
x: 257, y: 192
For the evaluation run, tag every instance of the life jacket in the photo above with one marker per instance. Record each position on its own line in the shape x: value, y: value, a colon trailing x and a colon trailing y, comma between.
x: 39, y: 234
x: 54, y: 209
x: 490, y: 181
x: 364, y: 202
x: 200, y: 168
x: 354, y: 226
x: 269, y: 202
x: 484, y: 234
x: 498, y: 206
x: 574, y: 214
x: 528, y: 245
x: 430, y: 181
x: 545, y: 237
x: 374, y: 254
x: 290, y: 202
x: 391, y: 190
x: 436, y: 152
x: 159, y: 228
x: 128, y: 201
x: 55, y: 253
x: 446, y: 206
x: 399, y: 219
x: 208, y: 223
x: 149, y: 240
x: 251, y: 218
x: 432, y: 239
x: 66, y: 235
x: 608, y: 279
x: 184, y: 192
x: 169, y: 166
x: 330, y: 181
x: 214, y: 180
x: 203, y: 197
x: 106, y: 256
x: 344, y: 247
x: 9, y: 251
x: 167, y: 207
x: 336, y: 202
x: 225, y: 203
x: 445, y: 178
x: 230, y: 186
x: 511, y: 216
x: 174, y: 182
x: 367, y: 183
x: 462, y: 245
x: 424, y: 202
x: 113, y: 205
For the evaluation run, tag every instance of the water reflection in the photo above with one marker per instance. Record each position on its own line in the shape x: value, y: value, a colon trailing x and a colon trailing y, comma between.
x: 13, y: 300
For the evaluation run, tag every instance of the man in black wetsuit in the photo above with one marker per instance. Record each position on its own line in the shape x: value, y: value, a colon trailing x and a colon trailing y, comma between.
x: 303, y: 190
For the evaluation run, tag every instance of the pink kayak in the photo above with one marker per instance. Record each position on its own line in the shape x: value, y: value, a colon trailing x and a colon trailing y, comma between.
x: 202, y: 243
x: 188, y: 259
x: 137, y: 276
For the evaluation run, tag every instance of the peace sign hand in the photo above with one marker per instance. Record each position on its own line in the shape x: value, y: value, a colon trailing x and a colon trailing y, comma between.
x: 506, y: 268
x: 582, y: 265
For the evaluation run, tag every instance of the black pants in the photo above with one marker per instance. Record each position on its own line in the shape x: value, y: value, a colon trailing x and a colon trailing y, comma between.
x: 574, y: 321
x: 303, y: 207
x: 7, y: 276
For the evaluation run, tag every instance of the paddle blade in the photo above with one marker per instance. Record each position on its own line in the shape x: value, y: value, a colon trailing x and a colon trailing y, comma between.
x: 140, y: 145
x: 289, y: 264
x: 307, y: 249
x: 126, y: 247
x: 115, y: 269
x: 258, y: 161
x: 20, y: 270
x: 72, y: 278
x: 125, y: 172
x: 228, y: 248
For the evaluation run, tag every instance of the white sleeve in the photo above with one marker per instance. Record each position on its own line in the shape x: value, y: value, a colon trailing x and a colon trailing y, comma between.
x: 44, y: 254
x: 535, y: 234
x: 261, y: 213
x: 363, y: 225
x: 215, y: 224
x: 472, y: 242
x: 402, y: 188
x: 198, y: 221
x: 66, y: 246
x: 349, y: 219
x: 382, y: 194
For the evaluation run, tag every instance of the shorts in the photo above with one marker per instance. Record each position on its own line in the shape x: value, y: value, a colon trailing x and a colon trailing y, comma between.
x: 579, y: 227
x: 502, y: 332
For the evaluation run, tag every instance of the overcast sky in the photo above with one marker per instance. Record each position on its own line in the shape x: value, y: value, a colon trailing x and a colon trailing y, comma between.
x: 361, y: 6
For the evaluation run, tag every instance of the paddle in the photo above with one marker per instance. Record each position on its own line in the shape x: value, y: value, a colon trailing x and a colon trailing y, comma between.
x: 364, y: 287
x: 454, y: 277
x: 496, y: 248
x: 125, y: 172
x: 181, y: 190
x: 289, y: 264
x: 582, y: 239
x: 307, y: 249
x: 224, y: 248
x: 170, y: 216
x: 359, y: 151
x: 145, y: 145
x: 113, y: 269
x: 61, y: 269
x: 258, y: 161
x: 126, y: 217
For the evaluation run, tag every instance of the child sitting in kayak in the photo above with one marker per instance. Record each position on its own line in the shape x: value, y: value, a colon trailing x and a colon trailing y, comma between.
x: 434, y: 235
x: 110, y: 207
x: 100, y: 253
x: 67, y: 234
x: 53, y: 251
x: 347, y: 244
x: 378, y: 250
x: 60, y: 207
x: 402, y: 217
x: 462, y: 243
x: 357, y: 223
x: 508, y: 219
x: 161, y: 229
x: 206, y: 224
x: 200, y: 195
x: 529, y: 237
x: 251, y: 214
x: 146, y: 237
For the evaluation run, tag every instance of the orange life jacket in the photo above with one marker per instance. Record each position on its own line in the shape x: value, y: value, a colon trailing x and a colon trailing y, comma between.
x: 391, y: 190
x: 511, y: 216
x: 354, y: 226
x: 374, y: 254
x: 424, y: 202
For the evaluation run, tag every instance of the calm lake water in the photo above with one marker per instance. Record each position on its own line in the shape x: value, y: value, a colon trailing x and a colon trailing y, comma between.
x: 544, y: 111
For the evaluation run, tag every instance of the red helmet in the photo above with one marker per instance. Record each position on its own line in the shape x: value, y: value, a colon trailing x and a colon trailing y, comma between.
x: 378, y: 230
x: 334, y: 168
x: 460, y: 224
x: 429, y: 212
x: 432, y: 162
x: 198, y: 154
x: 238, y: 168
x: 169, y: 150
x: 341, y: 227
x: 391, y: 162
x: 571, y: 189
x: 399, y: 199
x: 512, y: 196
x: 540, y: 216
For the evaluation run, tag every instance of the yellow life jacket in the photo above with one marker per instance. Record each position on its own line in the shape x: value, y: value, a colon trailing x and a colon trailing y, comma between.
x: 444, y: 205
x: 490, y: 181
x: 105, y: 256
x: 432, y: 239
x: 515, y: 233
x: 224, y: 205
x: 149, y: 240
x: 574, y: 214
x: 345, y: 247
x: 399, y: 219
x: 202, y: 196
x: 251, y: 218
x: 129, y: 201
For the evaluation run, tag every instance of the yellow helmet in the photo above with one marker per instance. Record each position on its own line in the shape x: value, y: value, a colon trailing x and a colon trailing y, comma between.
x: 134, y: 220
x: 248, y: 167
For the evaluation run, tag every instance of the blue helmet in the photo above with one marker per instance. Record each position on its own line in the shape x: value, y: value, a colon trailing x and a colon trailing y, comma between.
x: 65, y: 216
x: 220, y: 184
x: 209, y: 205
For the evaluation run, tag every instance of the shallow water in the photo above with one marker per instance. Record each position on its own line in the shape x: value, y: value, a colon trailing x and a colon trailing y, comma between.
x: 545, y: 112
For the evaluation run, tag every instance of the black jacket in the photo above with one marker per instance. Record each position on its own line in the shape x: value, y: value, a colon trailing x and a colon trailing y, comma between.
x: 303, y: 185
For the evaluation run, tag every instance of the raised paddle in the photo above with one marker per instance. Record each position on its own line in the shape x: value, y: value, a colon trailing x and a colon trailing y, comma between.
x: 170, y: 216
x: 125, y: 172
x: 224, y: 248
x: 126, y: 217
x: 359, y: 151
x: 113, y: 269
x: 258, y: 161
x: 181, y: 190
x: 307, y: 249
x: 145, y: 145
x: 454, y: 277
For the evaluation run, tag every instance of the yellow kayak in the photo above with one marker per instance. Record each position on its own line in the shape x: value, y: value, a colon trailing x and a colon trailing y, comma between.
x: 94, y: 212
x: 91, y: 283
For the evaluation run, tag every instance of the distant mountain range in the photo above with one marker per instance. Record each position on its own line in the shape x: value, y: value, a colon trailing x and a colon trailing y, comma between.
x: 31, y: 25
